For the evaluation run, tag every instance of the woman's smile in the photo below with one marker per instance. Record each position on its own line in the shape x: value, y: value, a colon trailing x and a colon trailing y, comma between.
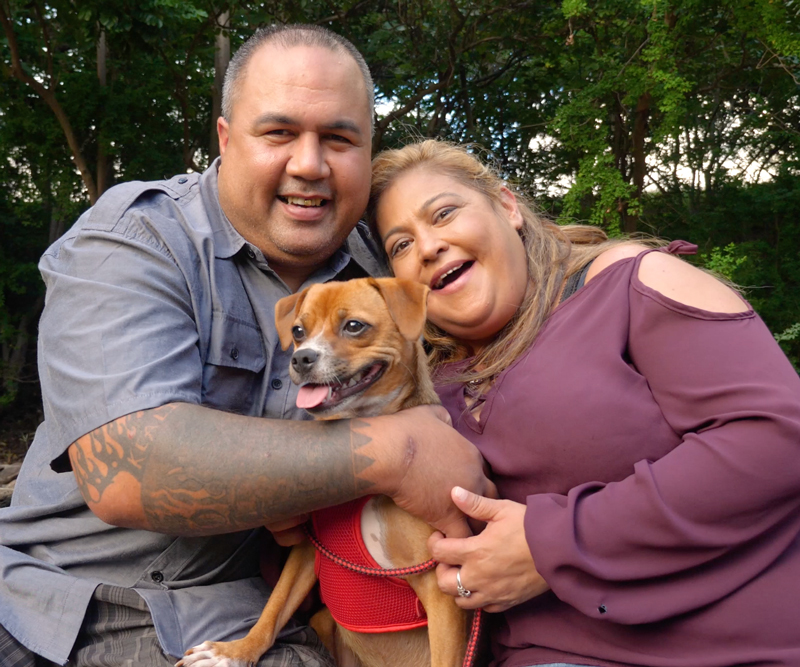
x: 462, y: 244
x: 449, y: 278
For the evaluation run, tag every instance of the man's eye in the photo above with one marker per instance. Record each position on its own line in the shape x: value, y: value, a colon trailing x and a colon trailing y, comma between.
x: 354, y: 327
x: 338, y: 138
x: 278, y: 133
x: 298, y: 333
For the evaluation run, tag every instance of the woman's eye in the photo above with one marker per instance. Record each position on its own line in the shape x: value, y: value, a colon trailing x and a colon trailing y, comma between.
x: 298, y: 333
x: 443, y: 213
x: 354, y: 326
x: 399, y: 247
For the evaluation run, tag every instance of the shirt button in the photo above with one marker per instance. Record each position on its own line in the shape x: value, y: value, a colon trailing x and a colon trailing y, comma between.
x: 251, y: 253
x: 276, y: 383
x: 602, y: 609
x: 234, y: 353
x: 157, y: 576
x: 182, y: 180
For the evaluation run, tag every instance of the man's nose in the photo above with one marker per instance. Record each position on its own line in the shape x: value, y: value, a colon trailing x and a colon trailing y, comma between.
x: 308, y: 159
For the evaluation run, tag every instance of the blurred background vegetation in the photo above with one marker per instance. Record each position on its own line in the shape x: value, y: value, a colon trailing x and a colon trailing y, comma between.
x: 679, y: 118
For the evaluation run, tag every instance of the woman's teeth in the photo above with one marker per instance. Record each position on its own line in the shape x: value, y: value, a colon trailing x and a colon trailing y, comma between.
x: 444, y: 276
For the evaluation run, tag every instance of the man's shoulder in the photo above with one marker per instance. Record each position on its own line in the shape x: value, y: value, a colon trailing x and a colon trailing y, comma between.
x: 113, y: 205
x: 163, y: 214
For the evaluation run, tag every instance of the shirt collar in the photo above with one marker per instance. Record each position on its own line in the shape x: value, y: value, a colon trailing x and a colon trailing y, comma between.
x: 227, y: 241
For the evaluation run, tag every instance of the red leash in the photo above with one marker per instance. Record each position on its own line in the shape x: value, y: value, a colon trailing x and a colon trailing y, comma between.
x: 474, y: 634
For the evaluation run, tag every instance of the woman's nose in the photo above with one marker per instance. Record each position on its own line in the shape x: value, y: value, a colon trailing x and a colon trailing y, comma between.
x: 430, y: 246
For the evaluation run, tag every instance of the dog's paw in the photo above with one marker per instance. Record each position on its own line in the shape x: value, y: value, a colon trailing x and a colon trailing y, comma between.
x: 214, y: 654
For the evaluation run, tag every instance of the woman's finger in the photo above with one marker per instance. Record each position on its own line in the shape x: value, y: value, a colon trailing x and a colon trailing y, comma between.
x: 475, y: 506
x: 450, y: 550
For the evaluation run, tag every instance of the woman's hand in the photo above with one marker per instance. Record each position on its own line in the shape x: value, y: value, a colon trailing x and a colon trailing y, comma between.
x: 495, y: 565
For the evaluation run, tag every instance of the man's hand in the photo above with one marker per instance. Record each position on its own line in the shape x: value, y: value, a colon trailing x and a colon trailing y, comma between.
x: 418, y: 457
x: 496, y: 565
x: 289, y: 532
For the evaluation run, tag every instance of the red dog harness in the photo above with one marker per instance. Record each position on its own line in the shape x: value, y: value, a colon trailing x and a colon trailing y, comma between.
x: 360, y: 602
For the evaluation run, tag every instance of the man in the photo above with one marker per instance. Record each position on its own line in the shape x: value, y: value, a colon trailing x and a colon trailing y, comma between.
x: 131, y: 532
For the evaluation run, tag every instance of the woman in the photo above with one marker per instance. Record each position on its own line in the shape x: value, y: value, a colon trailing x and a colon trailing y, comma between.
x: 641, y: 424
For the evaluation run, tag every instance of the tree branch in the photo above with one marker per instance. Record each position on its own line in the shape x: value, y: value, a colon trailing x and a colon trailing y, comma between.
x: 49, y: 96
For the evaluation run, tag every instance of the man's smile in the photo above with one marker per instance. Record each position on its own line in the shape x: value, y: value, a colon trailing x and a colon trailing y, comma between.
x: 303, y: 201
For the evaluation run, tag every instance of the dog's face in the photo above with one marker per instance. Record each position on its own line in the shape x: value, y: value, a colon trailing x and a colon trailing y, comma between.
x: 354, y: 344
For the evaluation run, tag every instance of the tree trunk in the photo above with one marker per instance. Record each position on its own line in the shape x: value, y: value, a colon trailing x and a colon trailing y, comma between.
x: 103, y: 166
x: 222, y: 56
x: 15, y: 354
x: 49, y: 96
x: 638, y: 155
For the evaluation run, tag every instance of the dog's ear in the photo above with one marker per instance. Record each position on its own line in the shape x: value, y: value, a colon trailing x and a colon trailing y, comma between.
x: 285, y: 311
x: 406, y: 301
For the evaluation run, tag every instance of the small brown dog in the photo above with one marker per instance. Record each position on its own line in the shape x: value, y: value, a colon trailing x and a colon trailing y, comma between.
x: 358, y: 354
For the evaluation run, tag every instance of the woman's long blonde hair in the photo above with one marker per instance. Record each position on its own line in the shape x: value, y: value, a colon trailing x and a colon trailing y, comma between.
x: 554, y: 253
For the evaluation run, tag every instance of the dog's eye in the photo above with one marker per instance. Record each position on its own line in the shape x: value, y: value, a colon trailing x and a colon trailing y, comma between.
x: 298, y: 333
x: 354, y: 327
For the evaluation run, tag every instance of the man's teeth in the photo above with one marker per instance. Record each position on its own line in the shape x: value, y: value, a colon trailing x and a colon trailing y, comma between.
x: 444, y: 275
x: 300, y: 201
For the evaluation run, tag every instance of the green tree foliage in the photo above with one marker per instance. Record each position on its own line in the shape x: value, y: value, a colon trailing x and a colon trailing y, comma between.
x: 632, y: 114
x: 668, y: 95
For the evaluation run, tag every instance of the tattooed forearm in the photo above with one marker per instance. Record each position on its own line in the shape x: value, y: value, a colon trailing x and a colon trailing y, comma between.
x: 199, y: 471
x: 226, y: 472
x: 117, y: 448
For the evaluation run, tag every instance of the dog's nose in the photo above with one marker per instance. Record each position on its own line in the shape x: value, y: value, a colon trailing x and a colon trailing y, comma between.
x: 303, y: 360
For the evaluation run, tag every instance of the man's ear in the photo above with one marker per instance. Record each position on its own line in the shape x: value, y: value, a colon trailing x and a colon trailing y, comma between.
x: 222, y: 134
x: 285, y: 313
x: 406, y: 301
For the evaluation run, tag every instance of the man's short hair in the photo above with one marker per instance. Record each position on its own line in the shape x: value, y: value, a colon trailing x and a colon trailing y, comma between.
x: 289, y: 36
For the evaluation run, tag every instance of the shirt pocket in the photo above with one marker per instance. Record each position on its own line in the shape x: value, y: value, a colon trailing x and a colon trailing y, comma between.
x: 233, y: 373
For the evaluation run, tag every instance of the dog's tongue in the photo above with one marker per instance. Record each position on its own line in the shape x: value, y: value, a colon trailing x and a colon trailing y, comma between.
x: 311, y: 395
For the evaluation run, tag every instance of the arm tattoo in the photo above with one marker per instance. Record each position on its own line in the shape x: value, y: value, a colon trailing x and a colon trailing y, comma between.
x: 361, y: 461
x: 121, y: 446
x: 205, y: 472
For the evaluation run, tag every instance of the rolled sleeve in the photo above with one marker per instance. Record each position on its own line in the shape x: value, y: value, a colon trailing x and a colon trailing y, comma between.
x: 118, y: 333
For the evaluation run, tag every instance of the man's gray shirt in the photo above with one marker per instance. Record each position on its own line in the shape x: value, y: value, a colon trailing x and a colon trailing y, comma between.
x: 152, y: 298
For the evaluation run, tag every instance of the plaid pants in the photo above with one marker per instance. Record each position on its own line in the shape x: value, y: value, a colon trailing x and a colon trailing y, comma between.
x: 118, y: 632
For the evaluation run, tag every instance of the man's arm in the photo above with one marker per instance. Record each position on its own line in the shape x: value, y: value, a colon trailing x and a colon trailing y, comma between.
x: 183, y: 469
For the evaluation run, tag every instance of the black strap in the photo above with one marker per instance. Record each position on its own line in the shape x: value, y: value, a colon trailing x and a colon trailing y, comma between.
x: 575, y: 282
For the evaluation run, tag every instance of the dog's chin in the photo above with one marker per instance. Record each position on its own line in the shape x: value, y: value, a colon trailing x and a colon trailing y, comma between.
x: 347, y: 400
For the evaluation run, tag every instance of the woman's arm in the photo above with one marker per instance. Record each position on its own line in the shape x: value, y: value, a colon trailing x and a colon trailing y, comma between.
x: 722, y: 507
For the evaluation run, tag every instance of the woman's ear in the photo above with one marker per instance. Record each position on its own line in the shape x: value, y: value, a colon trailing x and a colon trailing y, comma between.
x: 511, y: 207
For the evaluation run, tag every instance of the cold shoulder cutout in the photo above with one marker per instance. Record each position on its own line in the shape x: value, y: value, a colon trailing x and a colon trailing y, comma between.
x: 688, y: 285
